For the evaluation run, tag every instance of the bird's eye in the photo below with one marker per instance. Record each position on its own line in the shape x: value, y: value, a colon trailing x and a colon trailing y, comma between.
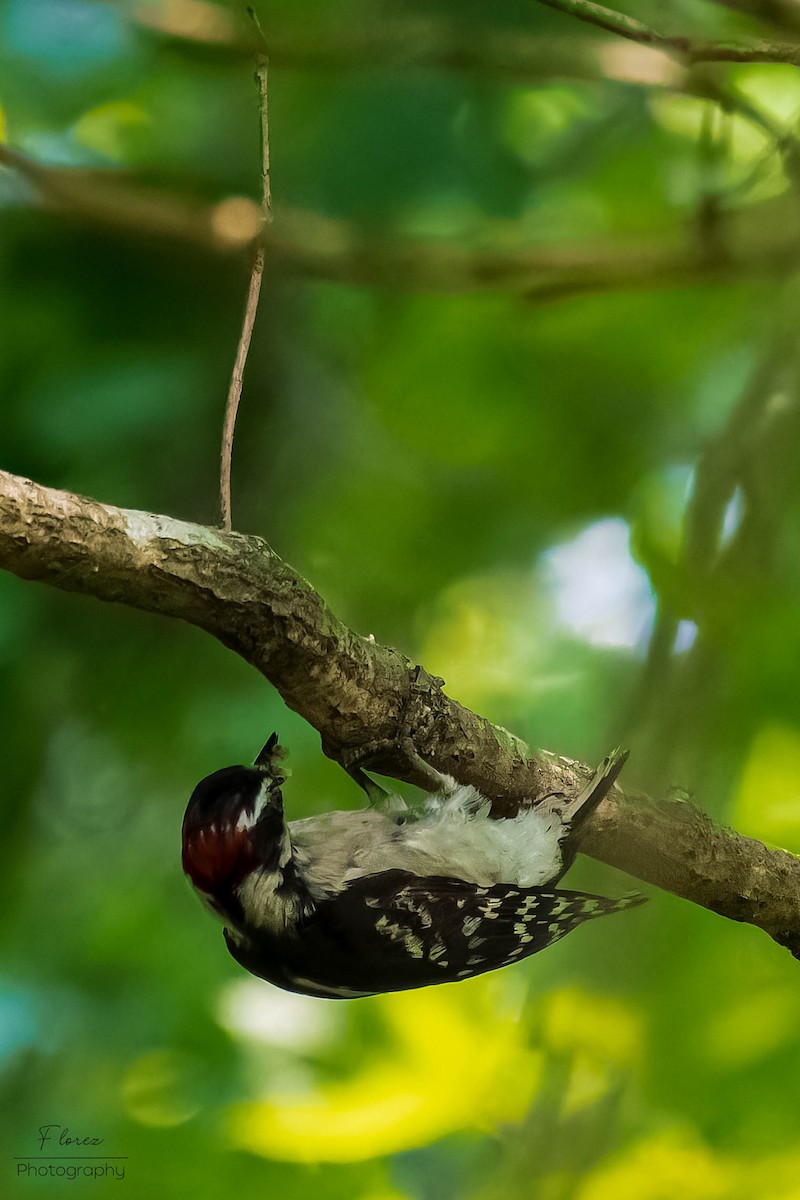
x: 400, y: 820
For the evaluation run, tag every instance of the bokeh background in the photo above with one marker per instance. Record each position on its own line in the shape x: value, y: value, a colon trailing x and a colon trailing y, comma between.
x: 580, y: 506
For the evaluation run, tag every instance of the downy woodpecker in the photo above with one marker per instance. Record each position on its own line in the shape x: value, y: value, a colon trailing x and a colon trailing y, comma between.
x: 352, y: 903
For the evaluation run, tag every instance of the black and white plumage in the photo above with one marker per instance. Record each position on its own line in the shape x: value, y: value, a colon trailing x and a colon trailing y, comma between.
x: 349, y: 904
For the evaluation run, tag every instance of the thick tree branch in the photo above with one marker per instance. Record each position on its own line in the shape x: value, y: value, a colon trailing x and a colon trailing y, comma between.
x: 360, y: 695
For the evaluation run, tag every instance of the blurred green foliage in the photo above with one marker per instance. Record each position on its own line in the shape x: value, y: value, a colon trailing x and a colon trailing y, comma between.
x: 584, y: 515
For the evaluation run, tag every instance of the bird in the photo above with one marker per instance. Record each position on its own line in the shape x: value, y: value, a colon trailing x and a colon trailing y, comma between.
x: 393, y: 896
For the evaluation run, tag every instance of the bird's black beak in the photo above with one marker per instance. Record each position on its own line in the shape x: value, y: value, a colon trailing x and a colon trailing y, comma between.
x: 269, y: 757
x: 269, y: 763
x: 267, y: 754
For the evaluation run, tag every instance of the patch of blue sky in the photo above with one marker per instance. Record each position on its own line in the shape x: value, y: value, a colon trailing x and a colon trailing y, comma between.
x: 685, y: 637
x: 598, y: 593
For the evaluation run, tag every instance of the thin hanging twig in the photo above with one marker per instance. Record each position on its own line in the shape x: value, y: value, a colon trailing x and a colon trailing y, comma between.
x: 254, y: 291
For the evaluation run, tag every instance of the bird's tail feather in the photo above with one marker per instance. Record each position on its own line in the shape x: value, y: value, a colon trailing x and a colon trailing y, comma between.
x: 578, y: 808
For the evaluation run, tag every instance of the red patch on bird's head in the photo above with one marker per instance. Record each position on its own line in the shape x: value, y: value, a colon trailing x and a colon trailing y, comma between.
x: 217, y: 857
x: 218, y: 830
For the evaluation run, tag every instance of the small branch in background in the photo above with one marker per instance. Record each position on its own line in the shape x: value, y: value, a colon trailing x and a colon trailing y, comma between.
x: 760, y: 241
x: 614, y: 22
x: 428, y: 40
x: 672, y: 692
x: 254, y: 291
x: 702, y: 82
x: 690, y: 50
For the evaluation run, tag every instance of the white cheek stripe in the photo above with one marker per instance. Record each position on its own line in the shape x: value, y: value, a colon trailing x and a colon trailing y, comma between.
x: 262, y: 799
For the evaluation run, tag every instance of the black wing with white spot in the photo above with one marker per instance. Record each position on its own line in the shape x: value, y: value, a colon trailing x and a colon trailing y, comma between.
x: 394, y: 930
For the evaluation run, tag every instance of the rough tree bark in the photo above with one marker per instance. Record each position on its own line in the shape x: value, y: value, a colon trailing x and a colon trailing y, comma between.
x: 363, y: 697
